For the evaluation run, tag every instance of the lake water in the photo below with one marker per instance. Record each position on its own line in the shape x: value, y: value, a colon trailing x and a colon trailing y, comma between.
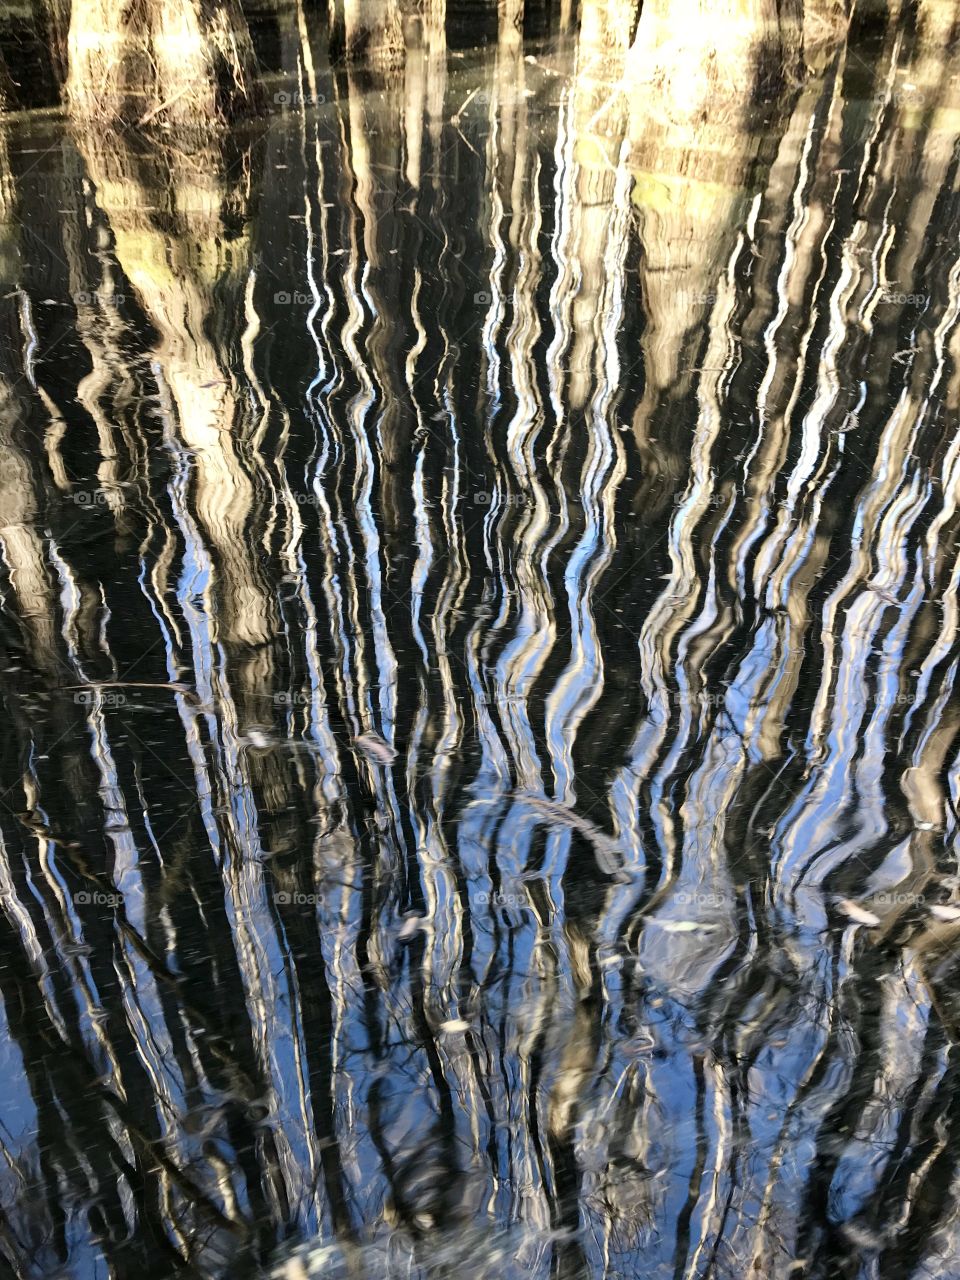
x: 479, y: 570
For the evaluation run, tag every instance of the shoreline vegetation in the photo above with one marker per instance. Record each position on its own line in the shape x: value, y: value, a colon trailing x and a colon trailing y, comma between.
x: 200, y: 64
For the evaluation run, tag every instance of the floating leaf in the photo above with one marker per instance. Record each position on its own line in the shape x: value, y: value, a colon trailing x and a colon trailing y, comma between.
x: 410, y: 927
x: 375, y: 748
x: 857, y: 913
x: 684, y: 926
x: 608, y: 852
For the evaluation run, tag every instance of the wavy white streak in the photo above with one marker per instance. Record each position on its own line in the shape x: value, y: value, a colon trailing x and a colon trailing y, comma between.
x: 580, y: 685
x: 672, y: 613
x: 691, y: 828
x: 523, y: 513
x: 804, y: 233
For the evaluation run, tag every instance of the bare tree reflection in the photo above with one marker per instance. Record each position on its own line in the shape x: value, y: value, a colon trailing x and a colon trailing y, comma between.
x: 479, y: 619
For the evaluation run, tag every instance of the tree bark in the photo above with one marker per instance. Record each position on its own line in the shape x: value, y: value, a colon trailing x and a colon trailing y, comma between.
x: 366, y: 31
x: 181, y: 62
x: 53, y: 16
x: 177, y: 264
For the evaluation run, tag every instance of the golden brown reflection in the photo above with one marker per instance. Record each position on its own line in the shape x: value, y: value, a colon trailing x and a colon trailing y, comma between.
x: 478, y: 558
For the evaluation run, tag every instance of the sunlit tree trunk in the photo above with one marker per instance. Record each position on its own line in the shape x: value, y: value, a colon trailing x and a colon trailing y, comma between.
x: 22, y: 499
x: 510, y: 21
x: 367, y: 31
x: 701, y: 55
x: 173, y: 267
x: 599, y: 120
x: 6, y: 86
x: 424, y: 84
x: 183, y: 62
x: 695, y: 88
x: 824, y: 26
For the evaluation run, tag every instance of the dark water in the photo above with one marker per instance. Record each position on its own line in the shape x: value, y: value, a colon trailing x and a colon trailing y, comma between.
x: 599, y: 472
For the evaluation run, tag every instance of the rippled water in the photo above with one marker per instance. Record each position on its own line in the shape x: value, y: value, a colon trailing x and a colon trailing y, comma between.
x: 480, y: 633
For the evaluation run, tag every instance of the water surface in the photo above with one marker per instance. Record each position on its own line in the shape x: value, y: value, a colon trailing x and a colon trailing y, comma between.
x: 480, y: 629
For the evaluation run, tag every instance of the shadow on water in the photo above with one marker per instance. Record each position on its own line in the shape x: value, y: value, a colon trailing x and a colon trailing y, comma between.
x: 479, y: 640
